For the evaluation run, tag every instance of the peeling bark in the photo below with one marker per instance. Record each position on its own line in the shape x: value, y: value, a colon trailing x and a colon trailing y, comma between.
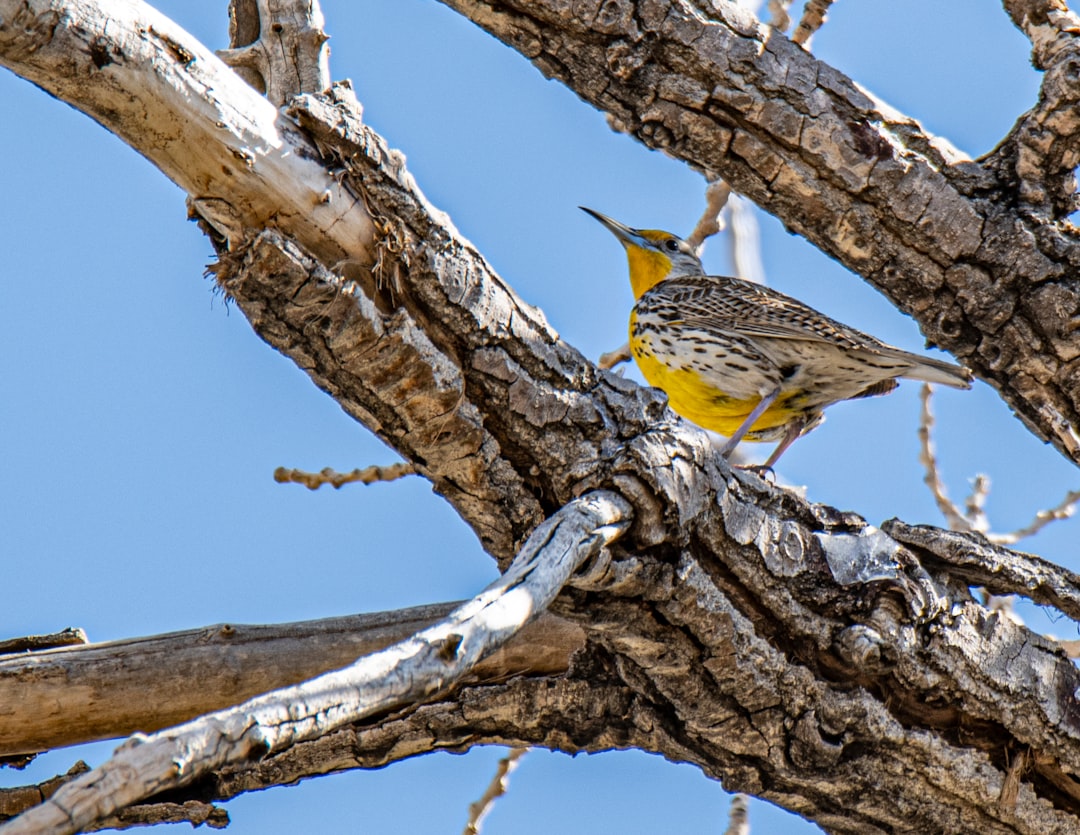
x: 975, y: 251
x: 788, y: 649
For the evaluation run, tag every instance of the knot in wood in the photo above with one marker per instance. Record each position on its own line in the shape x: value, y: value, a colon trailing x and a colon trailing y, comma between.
x: 623, y: 60
x: 811, y: 747
x: 656, y: 135
x: 863, y: 650
x: 785, y: 556
x: 949, y: 322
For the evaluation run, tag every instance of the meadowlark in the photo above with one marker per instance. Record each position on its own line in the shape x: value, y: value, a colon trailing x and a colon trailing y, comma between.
x: 746, y: 361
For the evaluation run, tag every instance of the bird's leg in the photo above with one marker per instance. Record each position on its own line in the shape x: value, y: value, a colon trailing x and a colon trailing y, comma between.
x: 794, y: 430
x: 751, y: 419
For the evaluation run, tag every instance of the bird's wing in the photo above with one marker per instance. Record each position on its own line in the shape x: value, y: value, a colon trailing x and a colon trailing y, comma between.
x: 745, y: 309
x: 749, y: 309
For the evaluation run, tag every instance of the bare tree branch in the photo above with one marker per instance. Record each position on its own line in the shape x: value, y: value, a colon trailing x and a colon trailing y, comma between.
x: 716, y: 197
x: 779, y: 17
x: 745, y: 241
x: 812, y: 19
x: 367, y: 475
x: 279, y: 47
x: 71, y: 696
x: 402, y: 674
x: 1065, y: 509
x: 196, y: 812
x: 496, y: 789
x: 1039, y: 156
x: 971, y: 558
x: 738, y: 816
x: 939, y: 234
x: 973, y: 517
x: 789, y: 648
x: 34, y: 643
x: 956, y: 520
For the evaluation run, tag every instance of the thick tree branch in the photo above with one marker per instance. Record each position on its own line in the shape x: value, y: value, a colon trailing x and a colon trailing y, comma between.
x: 939, y: 234
x: 1038, y: 158
x: 974, y: 560
x: 403, y: 674
x: 787, y: 648
x: 66, y: 697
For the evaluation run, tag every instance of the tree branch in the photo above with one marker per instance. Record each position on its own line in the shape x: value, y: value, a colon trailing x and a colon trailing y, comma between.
x: 71, y: 696
x: 402, y: 674
x: 788, y: 648
x: 1038, y: 158
x: 940, y: 235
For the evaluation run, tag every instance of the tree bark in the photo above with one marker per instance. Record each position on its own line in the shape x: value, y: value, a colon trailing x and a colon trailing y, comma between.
x: 786, y: 648
x: 57, y: 698
x: 975, y: 251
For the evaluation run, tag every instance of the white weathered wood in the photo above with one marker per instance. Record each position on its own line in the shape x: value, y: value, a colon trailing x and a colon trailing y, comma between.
x: 402, y: 674
x: 143, y: 77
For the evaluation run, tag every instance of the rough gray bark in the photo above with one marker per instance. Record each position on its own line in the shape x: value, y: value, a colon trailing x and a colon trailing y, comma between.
x: 788, y: 649
x: 977, y: 252
x: 416, y: 668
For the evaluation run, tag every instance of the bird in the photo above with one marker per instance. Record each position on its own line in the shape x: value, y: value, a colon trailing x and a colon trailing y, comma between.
x: 744, y: 360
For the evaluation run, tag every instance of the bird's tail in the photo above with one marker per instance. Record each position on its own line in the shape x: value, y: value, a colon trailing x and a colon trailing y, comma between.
x: 935, y: 371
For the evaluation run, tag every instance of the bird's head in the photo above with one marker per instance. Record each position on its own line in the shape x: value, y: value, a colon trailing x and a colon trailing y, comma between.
x: 652, y: 253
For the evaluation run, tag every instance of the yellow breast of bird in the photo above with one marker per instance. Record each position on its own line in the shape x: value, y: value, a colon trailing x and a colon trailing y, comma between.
x: 672, y: 365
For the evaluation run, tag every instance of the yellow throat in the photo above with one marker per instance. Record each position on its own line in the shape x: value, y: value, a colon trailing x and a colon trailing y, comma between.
x: 648, y: 266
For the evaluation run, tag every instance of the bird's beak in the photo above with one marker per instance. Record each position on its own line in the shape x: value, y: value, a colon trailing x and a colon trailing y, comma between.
x: 628, y: 236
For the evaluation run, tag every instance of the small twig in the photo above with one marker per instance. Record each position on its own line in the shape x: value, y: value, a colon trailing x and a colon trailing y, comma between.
x: 779, y: 18
x: 367, y: 475
x: 1063, y: 510
x: 745, y: 240
x: 33, y: 643
x: 496, y: 789
x: 973, y: 518
x: 931, y: 477
x: 612, y: 358
x: 195, y: 812
x: 738, y: 816
x: 716, y: 197
x: 812, y: 18
x: 975, y: 504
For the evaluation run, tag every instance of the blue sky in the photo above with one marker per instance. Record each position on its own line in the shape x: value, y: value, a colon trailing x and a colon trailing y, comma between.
x: 143, y: 419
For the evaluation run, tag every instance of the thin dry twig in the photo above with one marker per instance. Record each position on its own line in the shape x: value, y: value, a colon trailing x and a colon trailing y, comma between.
x: 496, y: 789
x: 973, y: 517
x: 716, y: 197
x: 975, y: 504
x: 612, y: 358
x: 1062, y: 510
x: 928, y: 458
x: 367, y: 475
x: 738, y: 816
x: 779, y: 18
x: 33, y: 643
x: 812, y: 18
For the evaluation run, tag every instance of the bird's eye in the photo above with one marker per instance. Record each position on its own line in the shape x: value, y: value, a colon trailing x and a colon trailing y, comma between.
x: 671, y: 245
